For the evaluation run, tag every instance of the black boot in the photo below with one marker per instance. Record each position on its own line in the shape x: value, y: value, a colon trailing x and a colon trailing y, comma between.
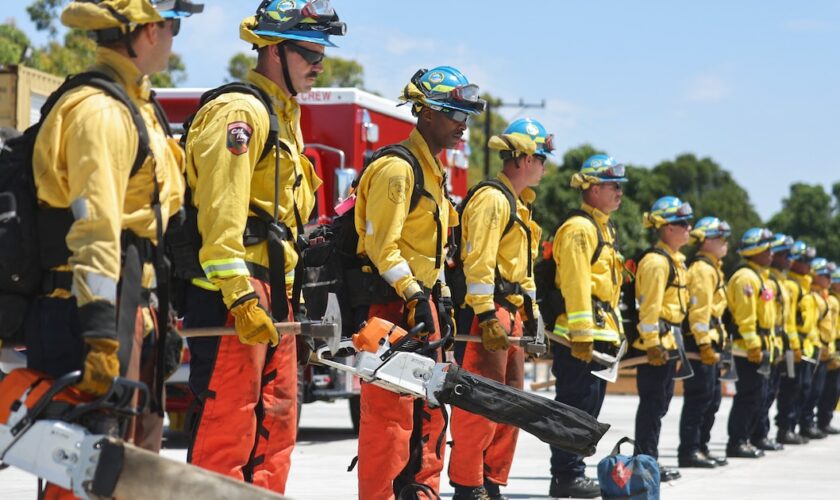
x: 790, y: 437
x: 697, y: 460
x: 468, y: 493
x: 720, y: 461
x: 668, y: 473
x: 829, y: 430
x: 811, y: 432
x: 493, y: 492
x: 579, y: 487
x: 768, y: 444
x: 743, y: 450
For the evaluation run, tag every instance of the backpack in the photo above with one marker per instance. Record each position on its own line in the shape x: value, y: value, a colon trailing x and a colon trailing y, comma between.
x: 549, y: 298
x: 32, y: 237
x: 455, y: 278
x: 729, y: 322
x: 633, y: 477
x: 630, y: 306
x: 330, y: 263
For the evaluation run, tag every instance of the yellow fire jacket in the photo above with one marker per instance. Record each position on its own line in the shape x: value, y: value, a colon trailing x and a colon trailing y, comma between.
x: 834, y: 305
x: 658, y: 299
x: 484, y: 247
x: 707, y: 298
x: 825, y: 320
x: 791, y: 324
x: 82, y: 160
x: 579, y: 280
x: 226, y: 176
x: 752, y: 304
x: 784, y: 308
x: 806, y: 323
x: 402, y: 244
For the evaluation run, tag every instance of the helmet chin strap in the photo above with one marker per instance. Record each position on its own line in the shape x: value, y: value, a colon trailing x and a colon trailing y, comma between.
x: 286, y: 76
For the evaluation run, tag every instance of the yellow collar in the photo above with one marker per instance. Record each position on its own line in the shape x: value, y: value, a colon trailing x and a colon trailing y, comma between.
x: 677, y: 256
x: 597, y: 214
x: 287, y: 108
x: 711, y: 257
x: 527, y: 195
x: 415, y: 139
x: 124, y: 71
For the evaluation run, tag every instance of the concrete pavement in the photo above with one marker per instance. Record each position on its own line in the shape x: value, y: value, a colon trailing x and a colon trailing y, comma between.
x: 327, y: 445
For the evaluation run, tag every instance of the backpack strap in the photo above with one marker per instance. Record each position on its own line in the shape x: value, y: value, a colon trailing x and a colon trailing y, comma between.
x: 417, y: 190
x: 703, y: 258
x: 602, y: 242
x: 114, y: 90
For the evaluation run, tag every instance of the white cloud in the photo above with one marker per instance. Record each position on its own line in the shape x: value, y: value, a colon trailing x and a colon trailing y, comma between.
x: 708, y: 88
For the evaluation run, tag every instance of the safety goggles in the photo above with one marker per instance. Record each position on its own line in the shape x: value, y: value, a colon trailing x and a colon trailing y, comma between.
x: 548, y: 145
x: 467, y: 96
x: 182, y: 6
x: 683, y: 210
x: 724, y: 230
x: 321, y: 11
x: 807, y: 254
x: 312, y: 57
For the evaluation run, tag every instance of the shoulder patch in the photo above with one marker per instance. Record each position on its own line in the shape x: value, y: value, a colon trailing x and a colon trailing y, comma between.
x: 238, y: 137
x: 397, y: 188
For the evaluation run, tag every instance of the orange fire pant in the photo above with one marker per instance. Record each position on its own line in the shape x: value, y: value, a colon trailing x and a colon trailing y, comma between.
x: 247, y: 422
x: 398, y: 435
x: 483, y: 450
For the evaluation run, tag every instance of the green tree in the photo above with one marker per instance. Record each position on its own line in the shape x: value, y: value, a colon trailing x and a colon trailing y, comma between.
x: 340, y: 72
x: 239, y: 66
x: 13, y: 42
x: 175, y: 74
x: 44, y: 14
x: 810, y: 214
x: 478, y: 141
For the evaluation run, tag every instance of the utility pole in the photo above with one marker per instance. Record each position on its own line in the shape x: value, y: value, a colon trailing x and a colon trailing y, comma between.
x: 488, y: 125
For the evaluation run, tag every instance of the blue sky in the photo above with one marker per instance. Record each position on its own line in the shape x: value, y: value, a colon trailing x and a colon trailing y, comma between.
x: 755, y: 85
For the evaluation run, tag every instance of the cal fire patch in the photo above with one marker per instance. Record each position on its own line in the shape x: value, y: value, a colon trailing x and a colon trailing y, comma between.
x: 238, y: 137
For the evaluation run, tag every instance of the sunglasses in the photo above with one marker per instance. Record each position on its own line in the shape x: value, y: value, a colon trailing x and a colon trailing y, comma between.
x: 312, y: 57
x: 174, y: 25
x: 680, y: 223
x: 453, y: 114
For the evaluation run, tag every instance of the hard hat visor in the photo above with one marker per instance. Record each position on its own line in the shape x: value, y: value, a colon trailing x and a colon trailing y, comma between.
x: 684, y: 210
x: 176, y: 8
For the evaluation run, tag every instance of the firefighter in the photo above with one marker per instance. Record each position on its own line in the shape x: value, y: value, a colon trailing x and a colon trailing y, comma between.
x: 806, y: 324
x: 824, y: 345
x: 787, y: 387
x: 400, y: 438
x: 831, y: 392
x: 497, y: 252
x: 83, y: 161
x: 241, y: 184
x: 662, y: 295
x: 707, y: 303
x: 752, y: 304
x: 774, y: 348
x: 589, y: 278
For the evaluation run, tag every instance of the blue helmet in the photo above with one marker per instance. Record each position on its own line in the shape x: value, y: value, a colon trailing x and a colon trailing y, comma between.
x: 444, y: 89
x: 835, y: 276
x: 311, y: 21
x: 710, y: 228
x: 801, y: 252
x: 172, y: 9
x: 535, y: 131
x: 667, y: 210
x: 755, y: 241
x: 604, y: 167
x: 822, y: 267
x: 781, y: 243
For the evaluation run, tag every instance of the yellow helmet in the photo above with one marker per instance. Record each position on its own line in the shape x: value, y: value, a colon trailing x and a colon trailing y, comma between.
x: 124, y: 15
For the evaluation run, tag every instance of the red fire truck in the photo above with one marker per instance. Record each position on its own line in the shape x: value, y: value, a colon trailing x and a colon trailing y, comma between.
x: 341, y: 127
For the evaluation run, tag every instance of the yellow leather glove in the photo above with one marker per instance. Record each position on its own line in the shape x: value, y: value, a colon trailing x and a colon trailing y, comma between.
x: 582, y: 351
x: 253, y: 324
x: 824, y: 355
x: 708, y: 356
x: 834, y: 364
x: 657, y: 355
x: 797, y: 356
x: 754, y: 355
x: 101, y: 366
x: 493, y: 336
